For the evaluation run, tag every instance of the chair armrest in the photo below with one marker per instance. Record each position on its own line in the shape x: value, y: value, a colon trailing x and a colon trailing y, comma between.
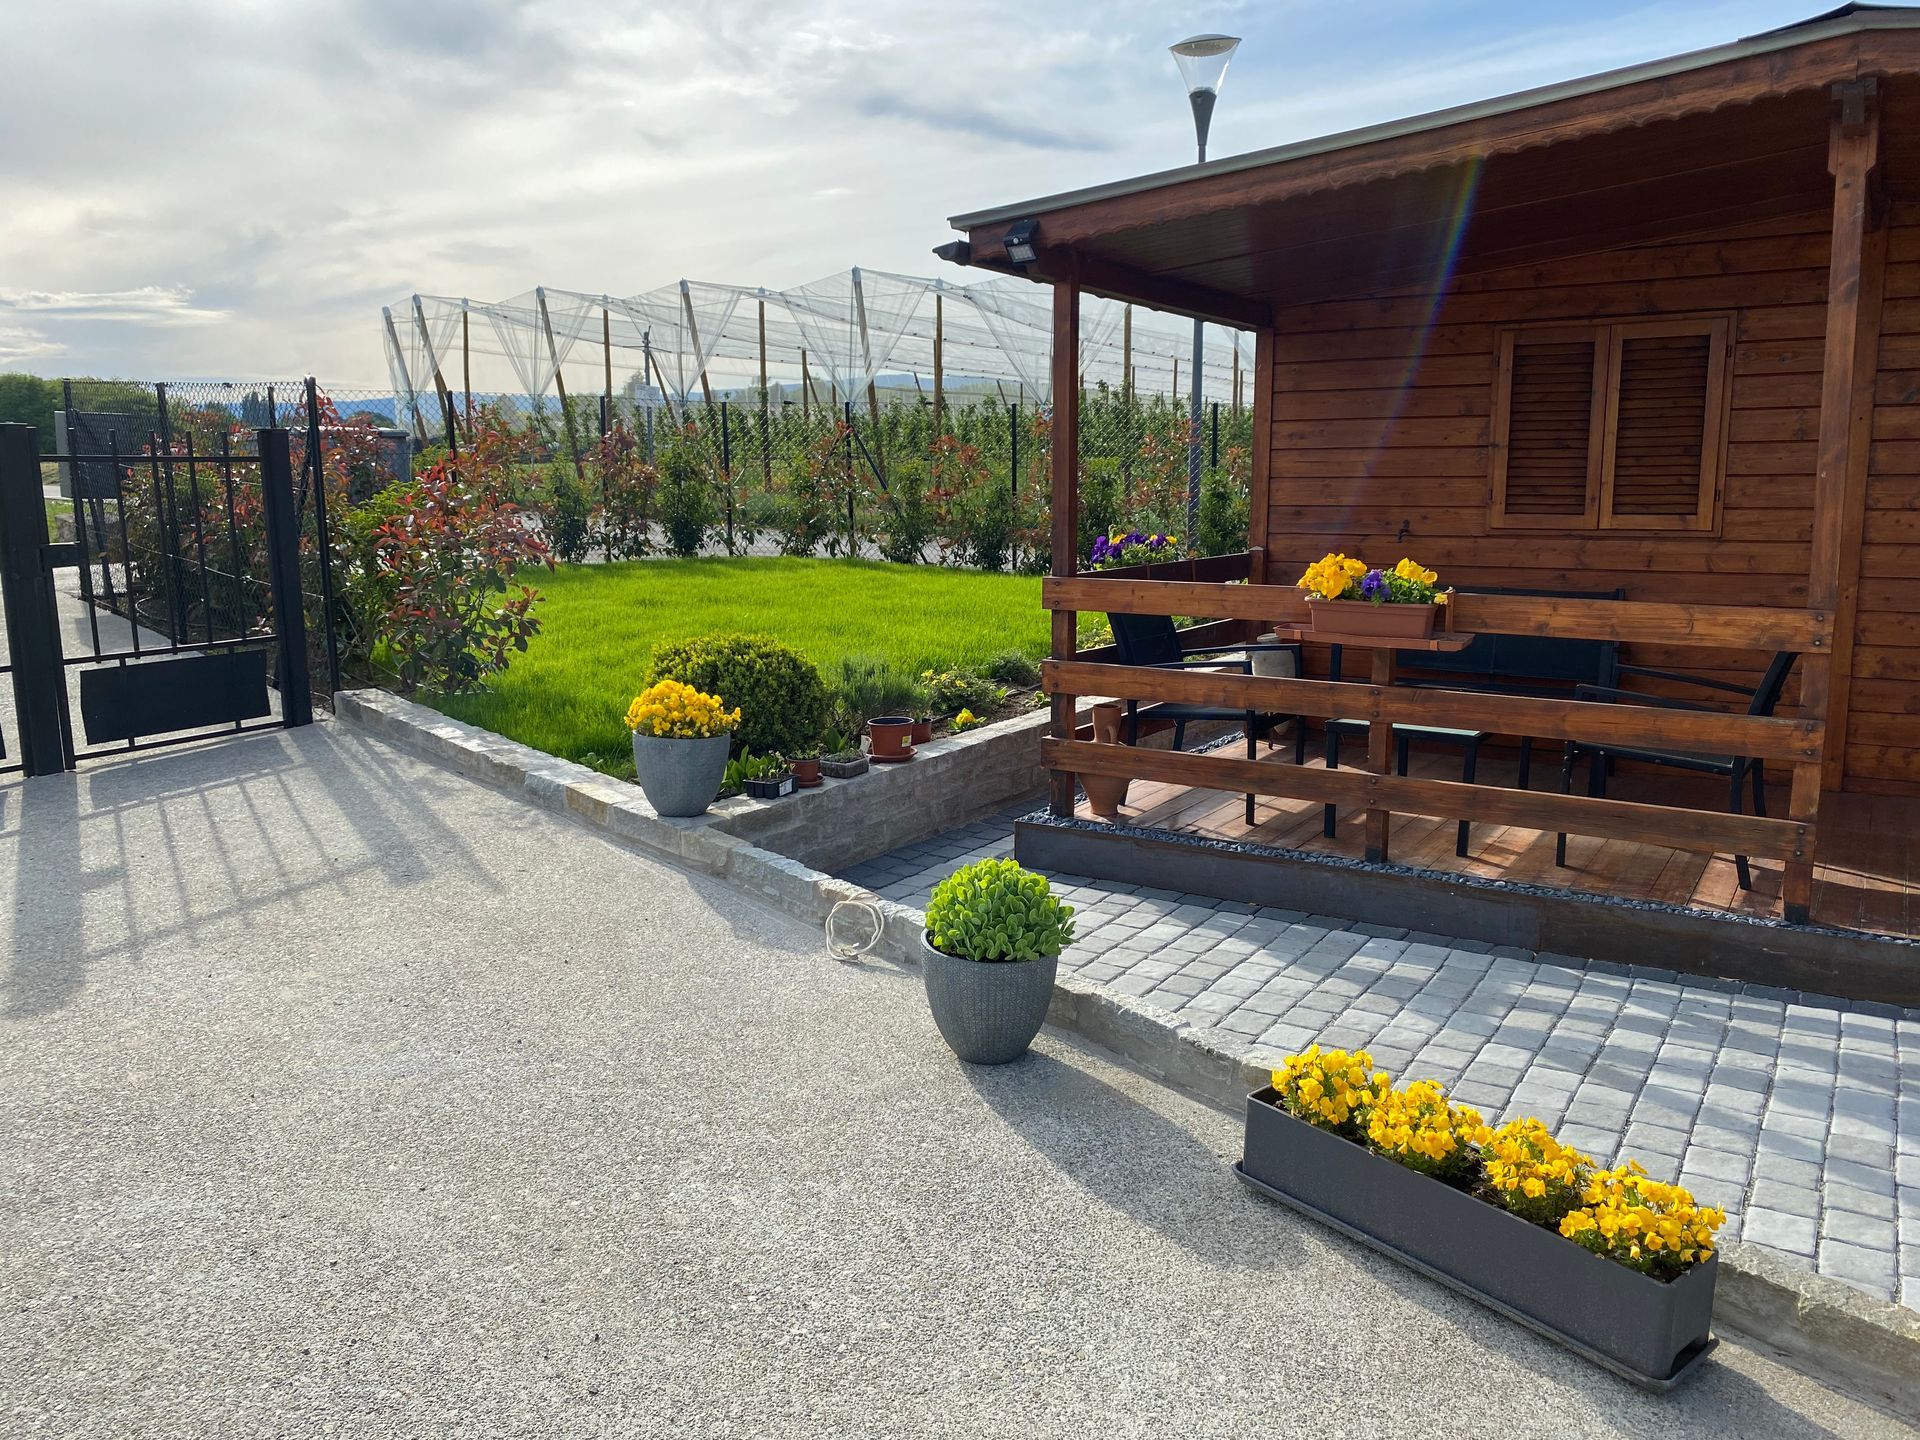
x: 1608, y: 692
x: 1701, y: 680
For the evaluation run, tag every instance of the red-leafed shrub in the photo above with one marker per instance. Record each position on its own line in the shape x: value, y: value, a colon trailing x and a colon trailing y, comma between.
x: 446, y: 554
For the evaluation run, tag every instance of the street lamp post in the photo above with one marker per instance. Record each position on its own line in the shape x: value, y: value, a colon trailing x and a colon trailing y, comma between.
x: 1203, y: 63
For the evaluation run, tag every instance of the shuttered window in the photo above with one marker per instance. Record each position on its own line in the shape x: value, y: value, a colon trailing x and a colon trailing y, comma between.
x: 1618, y: 427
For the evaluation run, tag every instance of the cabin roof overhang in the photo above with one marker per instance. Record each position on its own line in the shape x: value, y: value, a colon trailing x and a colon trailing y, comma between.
x: 1712, y: 139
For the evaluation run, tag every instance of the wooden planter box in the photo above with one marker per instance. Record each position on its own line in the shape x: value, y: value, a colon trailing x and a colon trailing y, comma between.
x: 1363, y: 617
x: 1651, y: 1332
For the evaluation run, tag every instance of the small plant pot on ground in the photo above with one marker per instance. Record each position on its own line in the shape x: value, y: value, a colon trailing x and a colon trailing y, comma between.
x: 889, y: 738
x: 1652, y: 1332
x: 1363, y: 617
x: 680, y: 777
x: 988, y: 1011
x: 843, y: 767
x: 770, y: 787
x: 806, y: 773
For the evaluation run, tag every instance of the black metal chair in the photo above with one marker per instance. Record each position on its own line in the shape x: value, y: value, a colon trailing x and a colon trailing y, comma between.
x: 1154, y: 640
x: 1740, y: 770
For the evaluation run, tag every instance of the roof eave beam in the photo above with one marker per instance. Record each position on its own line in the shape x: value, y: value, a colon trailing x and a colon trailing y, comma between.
x: 1118, y: 282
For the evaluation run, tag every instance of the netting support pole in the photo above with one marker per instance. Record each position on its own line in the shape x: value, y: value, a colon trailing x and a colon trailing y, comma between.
x: 440, y: 390
x: 853, y: 540
x: 406, y: 379
x: 939, y: 361
x: 1236, y: 388
x: 606, y: 356
x: 766, y: 443
x: 560, y: 388
x: 873, y: 393
x: 806, y: 390
x: 466, y: 365
x: 1126, y: 354
x: 693, y: 334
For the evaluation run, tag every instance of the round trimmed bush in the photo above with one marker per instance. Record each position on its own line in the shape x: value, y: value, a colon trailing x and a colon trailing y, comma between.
x: 782, y: 702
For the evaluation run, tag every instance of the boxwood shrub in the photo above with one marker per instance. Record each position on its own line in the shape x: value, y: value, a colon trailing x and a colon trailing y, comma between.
x: 783, y: 704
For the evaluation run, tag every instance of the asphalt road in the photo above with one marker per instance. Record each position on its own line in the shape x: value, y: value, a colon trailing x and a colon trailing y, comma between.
x: 342, y: 1096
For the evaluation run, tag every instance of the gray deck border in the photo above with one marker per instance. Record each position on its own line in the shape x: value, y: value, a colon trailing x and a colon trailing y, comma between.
x: 1869, y: 1347
x: 1817, y: 959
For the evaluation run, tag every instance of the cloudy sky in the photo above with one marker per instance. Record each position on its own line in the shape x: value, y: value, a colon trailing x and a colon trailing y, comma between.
x: 233, y: 188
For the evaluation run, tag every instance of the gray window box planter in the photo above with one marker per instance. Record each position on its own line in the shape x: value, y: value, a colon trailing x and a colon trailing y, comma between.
x: 1651, y: 1332
x: 844, y: 769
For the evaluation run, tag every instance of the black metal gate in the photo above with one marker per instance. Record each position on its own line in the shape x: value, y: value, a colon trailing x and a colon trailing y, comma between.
x: 174, y: 611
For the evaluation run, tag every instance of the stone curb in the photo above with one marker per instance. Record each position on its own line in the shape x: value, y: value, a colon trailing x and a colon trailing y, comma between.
x: 1840, y: 1335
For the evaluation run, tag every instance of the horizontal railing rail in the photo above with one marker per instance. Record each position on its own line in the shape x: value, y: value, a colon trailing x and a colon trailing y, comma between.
x: 1733, y: 626
x: 1709, y: 831
x: 1702, y: 731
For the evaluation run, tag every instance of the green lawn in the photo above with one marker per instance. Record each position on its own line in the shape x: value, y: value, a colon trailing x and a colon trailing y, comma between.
x: 599, y: 623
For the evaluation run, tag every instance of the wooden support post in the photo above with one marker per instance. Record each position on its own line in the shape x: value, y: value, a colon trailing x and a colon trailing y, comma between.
x: 1260, y: 482
x: 806, y: 389
x: 1380, y: 758
x: 1066, y: 506
x: 1126, y: 354
x: 1846, y: 413
x: 1236, y: 378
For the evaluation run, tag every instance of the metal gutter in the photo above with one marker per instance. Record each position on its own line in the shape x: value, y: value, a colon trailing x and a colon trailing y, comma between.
x: 1853, y: 22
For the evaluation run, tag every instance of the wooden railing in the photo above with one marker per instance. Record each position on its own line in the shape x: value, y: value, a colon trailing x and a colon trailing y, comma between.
x: 1797, y: 741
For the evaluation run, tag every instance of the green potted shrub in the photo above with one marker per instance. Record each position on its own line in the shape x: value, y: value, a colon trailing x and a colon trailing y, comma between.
x: 989, y: 953
x: 680, y: 742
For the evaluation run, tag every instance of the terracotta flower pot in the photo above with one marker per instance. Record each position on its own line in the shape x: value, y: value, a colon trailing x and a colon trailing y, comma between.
x: 888, y: 737
x: 806, y: 773
x: 1106, y: 793
x: 922, y: 730
x: 1363, y: 617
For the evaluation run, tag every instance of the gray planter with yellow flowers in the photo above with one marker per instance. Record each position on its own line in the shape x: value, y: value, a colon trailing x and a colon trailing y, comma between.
x: 989, y: 956
x: 681, y: 777
x: 1652, y: 1332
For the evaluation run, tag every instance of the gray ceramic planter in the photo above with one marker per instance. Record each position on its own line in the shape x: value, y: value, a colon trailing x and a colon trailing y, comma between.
x: 1653, y: 1333
x: 680, y: 777
x: 988, y: 1013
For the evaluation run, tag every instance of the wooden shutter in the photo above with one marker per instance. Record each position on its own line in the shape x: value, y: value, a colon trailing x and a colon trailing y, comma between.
x: 1665, y: 425
x: 1547, y: 399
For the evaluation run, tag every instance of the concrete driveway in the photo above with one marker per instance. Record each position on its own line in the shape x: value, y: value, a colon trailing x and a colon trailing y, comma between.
x: 343, y: 1096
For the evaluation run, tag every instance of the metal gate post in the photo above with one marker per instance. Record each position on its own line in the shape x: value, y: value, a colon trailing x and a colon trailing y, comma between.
x: 33, y: 623
x: 283, y: 576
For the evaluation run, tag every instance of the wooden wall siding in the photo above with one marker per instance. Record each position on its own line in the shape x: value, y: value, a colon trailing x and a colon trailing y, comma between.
x: 1883, y: 713
x: 1382, y: 409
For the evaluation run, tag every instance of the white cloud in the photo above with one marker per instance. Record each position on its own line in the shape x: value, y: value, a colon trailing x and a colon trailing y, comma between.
x: 147, y: 305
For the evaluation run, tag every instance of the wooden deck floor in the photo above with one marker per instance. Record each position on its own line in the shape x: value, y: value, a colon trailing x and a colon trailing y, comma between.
x: 1865, y: 879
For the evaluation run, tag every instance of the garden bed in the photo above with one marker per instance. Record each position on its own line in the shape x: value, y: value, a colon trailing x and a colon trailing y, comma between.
x: 600, y: 623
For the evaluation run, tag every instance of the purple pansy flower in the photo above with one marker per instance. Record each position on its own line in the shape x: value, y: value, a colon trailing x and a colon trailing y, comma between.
x: 1373, y: 586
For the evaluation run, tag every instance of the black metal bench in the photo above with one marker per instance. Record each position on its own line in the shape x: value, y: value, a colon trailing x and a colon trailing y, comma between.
x: 1495, y: 664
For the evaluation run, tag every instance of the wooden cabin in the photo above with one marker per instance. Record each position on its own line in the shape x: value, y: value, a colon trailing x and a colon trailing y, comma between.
x: 1649, y: 339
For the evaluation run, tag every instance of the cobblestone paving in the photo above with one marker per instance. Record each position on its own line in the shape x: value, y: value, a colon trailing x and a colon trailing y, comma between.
x: 1799, y: 1114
